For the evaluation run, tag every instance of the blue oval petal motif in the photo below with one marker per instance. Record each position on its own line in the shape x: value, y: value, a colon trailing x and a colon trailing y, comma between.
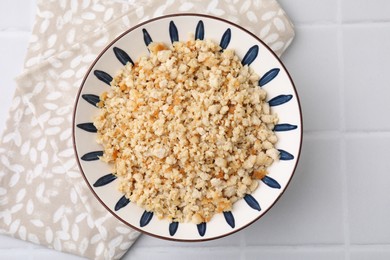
x: 252, y: 202
x: 279, y: 100
x: 271, y: 182
x: 145, y: 218
x: 122, y: 202
x: 173, y: 228
x: 106, y: 179
x: 173, y: 32
x: 201, y: 228
x: 92, y: 156
x: 225, y: 40
x: 284, y: 127
x: 91, y: 99
x: 285, y: 156
x: 267, y: 77
x: 122, y: 56
x: 89, y: 127
x: 147, y: 38
x: 251, y: 55
x: 199, y: 31
x: 229, y: 218
x: 103, y: 76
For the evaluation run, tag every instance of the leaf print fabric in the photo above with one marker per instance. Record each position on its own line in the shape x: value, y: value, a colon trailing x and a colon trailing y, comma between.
x: 43, y: 197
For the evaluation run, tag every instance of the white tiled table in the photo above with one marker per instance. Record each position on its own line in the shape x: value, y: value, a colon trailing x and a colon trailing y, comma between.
x: 338, y: 204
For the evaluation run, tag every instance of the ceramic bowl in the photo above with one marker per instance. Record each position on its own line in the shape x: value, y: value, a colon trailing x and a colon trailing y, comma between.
x: 282, y: 97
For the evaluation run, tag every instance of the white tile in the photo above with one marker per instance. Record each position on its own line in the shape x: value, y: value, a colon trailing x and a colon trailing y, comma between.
x: 295, y: 254
x: 15, y: 254
x: 8, y: 242
x: 364, y: 10
x: 370, y: 254
x: 310, y: 11
x: 49, y: 254
x: 13, y: 48
x: 148, y: 241
x: 313, y: 65
x: 367, y: 77
x: 12, y: 248
x: 17, y: 14
x: 190, y: 253
x: 310, y: 211
x: 368, y: 168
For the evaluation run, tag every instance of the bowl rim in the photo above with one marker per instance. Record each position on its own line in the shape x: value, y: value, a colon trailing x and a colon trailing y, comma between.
x: 108, y: 46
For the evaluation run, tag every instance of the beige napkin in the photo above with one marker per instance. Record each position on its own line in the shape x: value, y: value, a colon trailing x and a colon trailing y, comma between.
x: 43, y: 197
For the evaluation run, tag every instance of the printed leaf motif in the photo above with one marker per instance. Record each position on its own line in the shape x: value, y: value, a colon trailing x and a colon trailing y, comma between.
x: 92, y: 156
x: 29, y: 207
x: 145, y: 218
x: 122, y: 202
x: 122, y: 56
x: 20, y: 195
x: 201, y: 228
x: 106, y: 179
x: 49, y: 235
x: 7, y: 217
x: 33, y: 238
x: 225, y: 40
x: 199, y: 31
x: 147, y: 38
x: 252, y: 16
x: 95, y: 239
x: 268, y: 76
x: 279, y: 100
x: 89, y: 127
x: 285, y: 156
x: 251, y: 55
x: 83, y: 245
x: 58, y: 214
x: 271, y: 182
x: 115, y: 242
x: 245, y: 6
x: 279, y: 24
x: 91, y: 99
x: 173, y: 228
x: 12, y: 182
x: 103, y: 76
x: 173, y: 32
x: 73, y: 196
x: 229, y: 218
x: 14, y: 226
x: 75, y: 232
x: 15, y: 208
x: 37, y: 222
x: 22, y: 232
x: 252, y: 202
x: 284, y: 127
x: 213, y: 8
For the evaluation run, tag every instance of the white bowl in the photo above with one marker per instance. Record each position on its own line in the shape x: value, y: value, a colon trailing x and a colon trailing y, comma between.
x: 282, y: 97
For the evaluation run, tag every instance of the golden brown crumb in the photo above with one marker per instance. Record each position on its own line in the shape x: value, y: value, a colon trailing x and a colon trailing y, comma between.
x: 259, y: 174
x: 187, y: 129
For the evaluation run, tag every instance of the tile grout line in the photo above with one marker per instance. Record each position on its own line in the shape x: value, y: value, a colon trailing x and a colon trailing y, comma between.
x: 344, y: 23
x: 269, y: 247
x: 242, y: 246
x: 343, y: 166
x: 366, y: 22
x: 223, y: 248
x: 328, y: 24
x: 346, y: 134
